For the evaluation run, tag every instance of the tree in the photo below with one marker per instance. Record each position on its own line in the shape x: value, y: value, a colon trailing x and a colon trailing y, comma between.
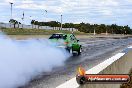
x: 127, y: 30
x: 19, y: 24
x: 14, y: 22
x: 35, y: 23
x: 32, y: 22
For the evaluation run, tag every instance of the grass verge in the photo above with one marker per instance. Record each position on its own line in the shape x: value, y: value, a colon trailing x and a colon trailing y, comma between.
x: 129, y: 84
x: 17, y: 31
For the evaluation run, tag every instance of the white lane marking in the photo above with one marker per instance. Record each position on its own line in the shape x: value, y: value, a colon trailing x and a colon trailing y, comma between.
x: 103, y: 65
x: 130, y: 47
x: 95, y: 70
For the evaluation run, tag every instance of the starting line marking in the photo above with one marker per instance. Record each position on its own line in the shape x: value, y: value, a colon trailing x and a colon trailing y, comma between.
x: 95, y: 70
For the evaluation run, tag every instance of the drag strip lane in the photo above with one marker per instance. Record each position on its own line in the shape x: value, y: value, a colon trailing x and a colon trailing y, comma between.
x: 93, y: 54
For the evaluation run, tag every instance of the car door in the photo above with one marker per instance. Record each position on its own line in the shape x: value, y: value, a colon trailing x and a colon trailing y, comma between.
x: 74, y: 39
x: 71, y: 39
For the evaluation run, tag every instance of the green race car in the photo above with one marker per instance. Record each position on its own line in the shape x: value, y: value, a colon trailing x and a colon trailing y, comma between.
x: 67, y: 41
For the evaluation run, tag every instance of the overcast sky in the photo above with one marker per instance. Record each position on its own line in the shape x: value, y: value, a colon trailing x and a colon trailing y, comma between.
x: 91, y: 11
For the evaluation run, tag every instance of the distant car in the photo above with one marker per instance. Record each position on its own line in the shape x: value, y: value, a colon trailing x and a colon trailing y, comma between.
x: 68, y: 41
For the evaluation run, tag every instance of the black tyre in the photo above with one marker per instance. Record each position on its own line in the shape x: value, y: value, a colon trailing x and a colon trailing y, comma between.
x: 81, y: 80
x: 80, y: 51
x: 70, y: 50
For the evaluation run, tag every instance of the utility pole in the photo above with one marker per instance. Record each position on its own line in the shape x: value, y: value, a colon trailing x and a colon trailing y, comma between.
x: 61, y: 22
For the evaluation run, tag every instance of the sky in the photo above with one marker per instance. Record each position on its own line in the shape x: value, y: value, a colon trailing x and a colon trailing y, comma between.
x: 75, y: 11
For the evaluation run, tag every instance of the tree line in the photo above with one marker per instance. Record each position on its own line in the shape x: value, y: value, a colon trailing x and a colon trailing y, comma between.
x: 83, y: 27
x: 53, y: 24
x: 102, y: 28
x: 89, y: 28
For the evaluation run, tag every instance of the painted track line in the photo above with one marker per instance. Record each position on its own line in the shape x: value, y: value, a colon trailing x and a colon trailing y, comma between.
x: 95, y: 70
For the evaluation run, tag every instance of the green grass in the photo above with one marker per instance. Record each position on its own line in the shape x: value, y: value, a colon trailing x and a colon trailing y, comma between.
x: 17, y: 31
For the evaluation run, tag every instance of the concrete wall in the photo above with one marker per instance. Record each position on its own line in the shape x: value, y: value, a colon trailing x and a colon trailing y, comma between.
x: 121, y: 66
x: 8, y: 25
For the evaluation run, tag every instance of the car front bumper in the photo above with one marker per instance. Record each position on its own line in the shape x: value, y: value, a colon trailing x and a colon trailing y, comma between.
x: 61, y: 47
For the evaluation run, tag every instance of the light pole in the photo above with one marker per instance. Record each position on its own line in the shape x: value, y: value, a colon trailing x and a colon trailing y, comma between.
x: 46, y: 17
x: 11, y: 8
x: 125, y: 31
x: 106, y: 32
x: 61, y: 22
x: 11, y: 12
x: 31, y: 21
x: 23, y: 19
x: 94, y: 31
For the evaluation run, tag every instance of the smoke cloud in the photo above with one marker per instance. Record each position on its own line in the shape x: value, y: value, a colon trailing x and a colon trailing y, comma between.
x: 22, y: 60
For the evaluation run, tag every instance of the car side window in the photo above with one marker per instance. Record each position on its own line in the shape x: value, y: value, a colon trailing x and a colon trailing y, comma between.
x: 64, y: 36
x: 74, y: 37
x: 71, y: 37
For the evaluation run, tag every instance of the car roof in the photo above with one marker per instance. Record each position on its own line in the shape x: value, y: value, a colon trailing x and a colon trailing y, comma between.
x: 58, y: 33
x: 63, y: 33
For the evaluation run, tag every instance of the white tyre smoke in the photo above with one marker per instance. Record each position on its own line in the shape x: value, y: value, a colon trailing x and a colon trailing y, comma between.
x: 20, y: 61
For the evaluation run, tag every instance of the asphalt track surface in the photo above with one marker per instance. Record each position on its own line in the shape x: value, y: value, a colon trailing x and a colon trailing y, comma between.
x: 95, y: 51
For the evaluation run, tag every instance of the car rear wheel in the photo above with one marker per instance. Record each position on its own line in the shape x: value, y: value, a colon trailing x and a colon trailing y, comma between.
x: 71, y: 51
x: 78, y: 52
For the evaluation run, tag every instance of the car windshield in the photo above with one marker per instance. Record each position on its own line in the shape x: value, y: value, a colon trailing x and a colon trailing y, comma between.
x: 58, y: 36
